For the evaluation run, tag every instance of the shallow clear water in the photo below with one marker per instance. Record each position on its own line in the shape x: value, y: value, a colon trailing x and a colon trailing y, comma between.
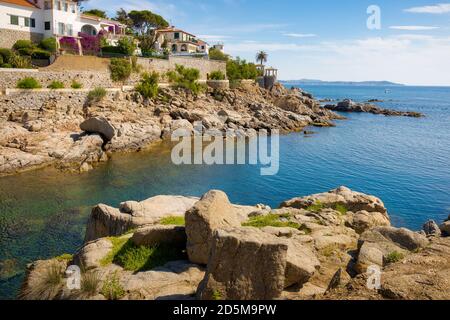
x: 404, y: 161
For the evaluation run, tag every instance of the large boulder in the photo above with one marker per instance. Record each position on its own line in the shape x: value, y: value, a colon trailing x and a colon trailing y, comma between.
x: 432, y: 229
x: 245, y: 264
x: 383, y: 245
x: 213, y: 211
x: 445, y: 227
x: 177, y: 280
x: 362, y: 221
x: 91, y: 254
x: 99, y: 125
x: 107, y: 221
x: 301, y: 263
x: 351, y: 200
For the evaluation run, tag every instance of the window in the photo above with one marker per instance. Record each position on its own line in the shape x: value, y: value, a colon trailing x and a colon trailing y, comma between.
x: 33, y: 22
x: 26, y: 22
x: 14, y: 20
x: 66, y: 7
x: 61, y: 28
x: 73, y: 8
x: 177, y: 35
x: 59, y: 6
x: 69, y: 29
x: 47, y: 5
x: 47, y: 25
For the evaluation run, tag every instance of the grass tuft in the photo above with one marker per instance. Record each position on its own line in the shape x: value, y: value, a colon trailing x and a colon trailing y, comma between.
x: 112, y: 289
x: 140, y: 258
x: 394, y: 257
x: 271, y: 220
x: 316, y: 207
x: 173, y: 221
x: 90, y: 283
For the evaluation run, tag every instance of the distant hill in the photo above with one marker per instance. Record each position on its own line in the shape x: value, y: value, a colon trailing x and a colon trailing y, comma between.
x: 340, y: 83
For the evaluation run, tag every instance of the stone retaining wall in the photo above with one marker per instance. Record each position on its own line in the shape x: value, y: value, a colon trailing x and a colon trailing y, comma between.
x: 205, y: 66
x: 97, y: 78
x: 9, y: 37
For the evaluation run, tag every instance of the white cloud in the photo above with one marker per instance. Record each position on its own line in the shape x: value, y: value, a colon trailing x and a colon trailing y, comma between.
x: 409, y: 59
x: 436, y: 9
x: 413, y: 28
x: 300, y: 35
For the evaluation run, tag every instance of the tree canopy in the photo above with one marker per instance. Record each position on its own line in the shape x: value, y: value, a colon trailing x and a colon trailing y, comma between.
x: 97, y: 13
x: 146, y: 22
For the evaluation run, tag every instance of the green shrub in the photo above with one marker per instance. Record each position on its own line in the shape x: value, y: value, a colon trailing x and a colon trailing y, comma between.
x: 394, y: 257
x: 173, y: 221
x: 23, y: 44
x: 40, y: 54
x: 186, y: 78
x: 120, y: 69
x: 20, y: 62
x: 148, y: 85
x: 6, y: 54
x: 239, y: 70
x: 76, y: 85
x: 112, y: 289
x: 56, y: 85
x: 118, y: 243
x: 216, y: 75
x: 1, y: 60
x: 126, y: 46
x: 271, y: 220
x: 96, y: 95
x: 48, y: 44
x: 6, y: 65
x: 215, y: 54
x: 28, y: 83
x: 25, y: 51
x: 135, y: 66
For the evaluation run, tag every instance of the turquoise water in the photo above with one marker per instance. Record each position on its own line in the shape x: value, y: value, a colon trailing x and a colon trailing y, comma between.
x: 404, y: 161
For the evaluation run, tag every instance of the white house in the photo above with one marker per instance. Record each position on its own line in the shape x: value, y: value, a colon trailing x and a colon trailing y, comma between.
x: 38, y: 19
x: 180, y: 42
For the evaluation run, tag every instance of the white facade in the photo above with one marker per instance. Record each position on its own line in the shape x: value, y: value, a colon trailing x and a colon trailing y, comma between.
x: 9, y: 10
x: 50, y: 18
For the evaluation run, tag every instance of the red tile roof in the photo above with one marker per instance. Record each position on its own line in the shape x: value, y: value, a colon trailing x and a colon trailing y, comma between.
x: 22, y: 3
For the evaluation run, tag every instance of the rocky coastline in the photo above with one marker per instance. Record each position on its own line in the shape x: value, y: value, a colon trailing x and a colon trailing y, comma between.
x: 348, y: 105
x: 314, y: 247
x: 64, y: 129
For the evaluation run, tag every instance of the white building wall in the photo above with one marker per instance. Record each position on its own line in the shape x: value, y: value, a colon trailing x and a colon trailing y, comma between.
x: 6, y: 10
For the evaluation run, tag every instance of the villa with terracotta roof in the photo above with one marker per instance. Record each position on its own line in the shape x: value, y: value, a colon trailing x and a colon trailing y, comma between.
x: 180, y: 42
x: 38, y: 19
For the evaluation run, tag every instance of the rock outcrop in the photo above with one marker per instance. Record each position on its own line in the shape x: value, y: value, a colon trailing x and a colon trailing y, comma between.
x: 213, y: 211
x: 107, y: 221
x: 351, y: 106
x: 39, y: 129
x: 244, y: 264
x: 314, y: 247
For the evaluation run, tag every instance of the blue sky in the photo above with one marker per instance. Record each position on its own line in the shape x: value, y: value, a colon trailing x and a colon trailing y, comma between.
x: 321, y: 39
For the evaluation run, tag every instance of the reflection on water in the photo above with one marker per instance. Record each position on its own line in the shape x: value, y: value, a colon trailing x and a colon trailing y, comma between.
x: 404, y: 161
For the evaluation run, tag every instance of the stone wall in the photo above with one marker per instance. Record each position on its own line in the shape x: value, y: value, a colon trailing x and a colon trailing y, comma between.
x: 9, y: 37
x: 100, y: 77
x: 9, y: 78
x: 205, y: 66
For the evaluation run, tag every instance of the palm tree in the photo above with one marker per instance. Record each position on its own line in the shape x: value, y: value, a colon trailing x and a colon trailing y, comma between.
x: 262, y: 57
